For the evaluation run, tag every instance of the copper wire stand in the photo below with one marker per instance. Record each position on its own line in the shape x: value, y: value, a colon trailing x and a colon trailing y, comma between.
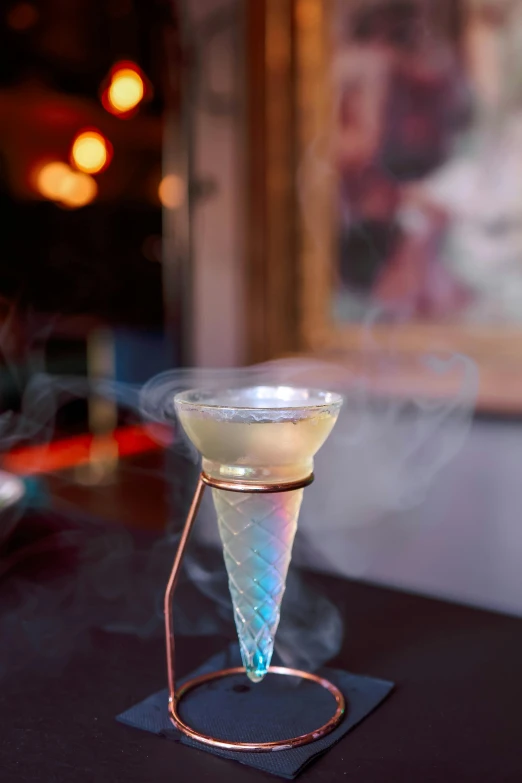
x: 176, y: 696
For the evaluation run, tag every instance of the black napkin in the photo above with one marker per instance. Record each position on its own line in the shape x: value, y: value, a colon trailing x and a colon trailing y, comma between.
x: 277, y: 708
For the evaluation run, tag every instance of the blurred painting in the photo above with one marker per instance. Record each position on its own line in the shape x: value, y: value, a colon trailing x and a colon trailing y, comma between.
x: 426, y: 146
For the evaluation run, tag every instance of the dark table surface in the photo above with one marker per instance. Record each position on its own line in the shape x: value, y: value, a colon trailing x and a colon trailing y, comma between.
x: 456, y: 713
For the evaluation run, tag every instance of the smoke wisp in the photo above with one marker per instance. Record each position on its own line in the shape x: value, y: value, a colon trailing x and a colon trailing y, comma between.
x: 383, y: 455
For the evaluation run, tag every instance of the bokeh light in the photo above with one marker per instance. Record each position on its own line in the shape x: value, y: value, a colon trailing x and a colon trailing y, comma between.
x: 22, y: 16
x: 50, y: 178
x: 91, y: 152
x: 171, y: 191
x: 56, y: 181
x: 78, y: 190
x: 126, y: 90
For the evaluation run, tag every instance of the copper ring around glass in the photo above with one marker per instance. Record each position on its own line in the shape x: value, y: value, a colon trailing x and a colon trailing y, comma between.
x: 258, y: 747
x: 238, y: 486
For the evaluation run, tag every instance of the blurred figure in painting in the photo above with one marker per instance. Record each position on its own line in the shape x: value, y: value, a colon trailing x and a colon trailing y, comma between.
x: 401, y: 99
x: 467, y: 216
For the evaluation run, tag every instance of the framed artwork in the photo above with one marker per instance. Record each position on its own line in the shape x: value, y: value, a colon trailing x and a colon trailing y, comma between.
x: 406, y: 180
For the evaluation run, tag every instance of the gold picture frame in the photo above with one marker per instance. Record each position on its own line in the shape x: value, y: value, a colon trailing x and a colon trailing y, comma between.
x: 291, y: 269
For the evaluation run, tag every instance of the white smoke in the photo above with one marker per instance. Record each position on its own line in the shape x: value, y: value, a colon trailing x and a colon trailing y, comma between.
x: 383, y: 455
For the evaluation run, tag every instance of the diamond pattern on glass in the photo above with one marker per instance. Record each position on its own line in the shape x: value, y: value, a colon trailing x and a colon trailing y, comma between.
x: 257, y: 532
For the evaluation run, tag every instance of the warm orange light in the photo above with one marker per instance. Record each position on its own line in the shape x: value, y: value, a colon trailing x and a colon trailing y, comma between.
x: 78, y: 190
x: 126, y: 90
x: 90, y: 152
x: 50, y: 179
x: 171, y: 191
x: 58, y: 182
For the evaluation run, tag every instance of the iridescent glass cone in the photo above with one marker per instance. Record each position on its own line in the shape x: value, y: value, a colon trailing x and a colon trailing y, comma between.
x: 267, y: 435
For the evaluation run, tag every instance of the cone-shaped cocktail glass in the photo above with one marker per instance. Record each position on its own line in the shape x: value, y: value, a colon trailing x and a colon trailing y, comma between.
x: 263, y: 436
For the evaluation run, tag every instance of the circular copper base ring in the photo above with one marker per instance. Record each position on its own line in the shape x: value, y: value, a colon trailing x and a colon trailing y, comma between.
x: 258, y: 747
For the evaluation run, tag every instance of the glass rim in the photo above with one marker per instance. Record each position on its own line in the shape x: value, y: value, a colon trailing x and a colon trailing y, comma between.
x: 307, y: 399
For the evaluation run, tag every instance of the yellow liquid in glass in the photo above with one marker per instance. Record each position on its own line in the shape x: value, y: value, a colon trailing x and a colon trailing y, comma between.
x: 256, y: 450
